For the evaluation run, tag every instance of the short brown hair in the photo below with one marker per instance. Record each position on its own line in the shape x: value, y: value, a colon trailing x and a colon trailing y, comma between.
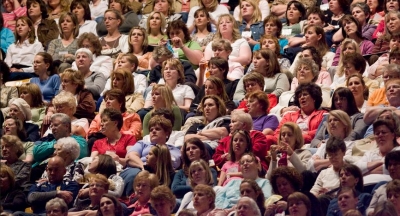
x: 209, y: 192
x: 123, y: 73
x: 7, y: 171
x: 101, y: 179
x: 145, y: 40
x: 262, y: 98
x: 225, y: 44
x: 298, y: 196
x: 93, y: 39
x: 276, y: 21
x: 357, y: 60
x: 164, y: 123
x: 36, y: 94
x: 119, y: 95
x: 179, y: 25
x: 254, y: 77
x: 288, y: 173
x: 272, y: 59
x: 161, y: 193
x: 76, y: 77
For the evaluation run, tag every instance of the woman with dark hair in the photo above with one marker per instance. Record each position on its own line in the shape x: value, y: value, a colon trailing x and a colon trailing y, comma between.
x: 202, y: 28
x: 109, y: 206
x: 20, y: 55
x: 343, y: 99
x: 127, y: 17
x: 82, y: 11
x: 48, y: 80
x: 64, y: 49
x: 7, y: 38
x: 186, y: 48
x: 337, y: 9
x: 294, y: 15
x: 353, y: 30
x: 192, y: 150
x: 273, y: 27
x: 266, y: 63
x: 46, y: 29
x: 361, y: 11
x: 12, y: 198
x: 213, y: 8
x: 361, y: 87
x: 376, y: 9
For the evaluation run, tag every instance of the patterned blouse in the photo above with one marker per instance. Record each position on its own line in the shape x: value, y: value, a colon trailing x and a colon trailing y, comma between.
x: 203, y: 42
x: 58, y: 50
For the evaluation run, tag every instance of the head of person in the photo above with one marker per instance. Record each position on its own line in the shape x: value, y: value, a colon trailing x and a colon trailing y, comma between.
x: 335, y: 150
x: 178, y: 28
x: 253, y: 82
x: 351, y: 176
x: 98, y: 185
x: 143, y: 184
x: 24, y: 30
x: 20, y: 109
x: 356, y: 84
x: 299, y: 204
x: 203, y: 198
x: 338, y: 6
x: 311, y: 52
x: 113, y: 18
x: 115, y: 98
x: 52, y: 5
x: 7, y: 177
x: 65, y: 102
x: 172, y: 70
x: 390, y: 115
x: 160, y: 129
x: 306, y: 71
x: 159, y: 159
x: 109, y: 205
x: 270, y: 42
x: 103, y: 164
x: 213, y: 107
x: 120, y: 5
x: 308, y: 96
x: 128, y: 61
x: 360, y: 11
x: 393, y: 91
x: 138, y: 36
x: 14, y: 126
x: 240, y: 144
x: 266, y: 62
x: 392, y: 162
x: 391, y: 5
x: 111, y: 121
x: 249, y: 188
x: 221, y: 48
x: 68, y: 24
x: 43, y: 63
x: 392, y: 192
x: 162, y: 97
x: 60, y: 125
x: 272, y: 26
x: 166, y: 113
x: 240, y: 121
x: 227, y: 25
x: 295, y: 12
x: 385, y: 135
x: 72, y: 81
x: 32, y: 94
x: 156, y: 21
x: 351, y: 27
x: 249, y: 11
x: 218, y: 67
x: 285, y: 181
x: 247, y: 206
x: 164, y: 6
x: 193, y: 149
x: 122, y: 78
x: 67, y: 148
x: 347, y: 199
x: 391, y: 71
x: 385, y: 209
x: 392, y: 21
x: 202, y: 18
x: 200, y: 173
x: 90, y: 41
x: 162, y: 200
x: 249, y: 165
x: 339, y: 124
x: 36, y: 9
x: 161, y: 53
x: 81, y: 9
x: 11, y: 148
x: 56, y: 169
x: 291, y: 134
x: 215, y: 86
x: 343, y: 99
x: 394, y: 54
x: 83, y: 59
x: 56, y: 207
x: 315, y: 16
x: 353, y: 63
x: 257, y: 103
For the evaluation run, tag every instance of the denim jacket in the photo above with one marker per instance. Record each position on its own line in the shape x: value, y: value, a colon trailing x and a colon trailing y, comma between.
x: 257, y: 29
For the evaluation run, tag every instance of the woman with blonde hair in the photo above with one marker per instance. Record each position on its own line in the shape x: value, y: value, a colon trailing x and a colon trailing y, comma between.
x: 158, y: 161
x: 31, y: 93
x: 228, y: 29
x: 162, y: 97
x: 250, y: 19
x: 156, y: 25
x: 122, y: 78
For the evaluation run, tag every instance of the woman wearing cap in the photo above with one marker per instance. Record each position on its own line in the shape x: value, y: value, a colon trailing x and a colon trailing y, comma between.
x: 21, y: 110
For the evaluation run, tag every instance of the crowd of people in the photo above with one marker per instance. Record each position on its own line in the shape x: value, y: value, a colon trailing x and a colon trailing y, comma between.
x: 160, y: 107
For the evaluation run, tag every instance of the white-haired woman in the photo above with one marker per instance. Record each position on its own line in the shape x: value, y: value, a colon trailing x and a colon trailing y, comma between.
x: 247, y: 206
x: 68, y: 148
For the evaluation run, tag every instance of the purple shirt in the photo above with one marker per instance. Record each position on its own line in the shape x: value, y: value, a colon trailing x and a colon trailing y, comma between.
x: 365, y: 48
x: 265, y: 121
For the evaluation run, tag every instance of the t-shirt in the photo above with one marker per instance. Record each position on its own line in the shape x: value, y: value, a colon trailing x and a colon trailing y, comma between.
x: 193, y: 45
x: 102, y: 145
x: 180, y: 92
x: 49, y: 87
x: 265, y: 121
x: 230, y: 167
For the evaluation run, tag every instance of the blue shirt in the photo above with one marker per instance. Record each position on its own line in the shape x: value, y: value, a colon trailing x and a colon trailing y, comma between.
x: 282, y: 43
x: 49, y: 87
x: 7, y: 38
x: 257, y: 29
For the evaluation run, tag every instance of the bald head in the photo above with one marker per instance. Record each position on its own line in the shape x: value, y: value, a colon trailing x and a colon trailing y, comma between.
x: 56, y: 169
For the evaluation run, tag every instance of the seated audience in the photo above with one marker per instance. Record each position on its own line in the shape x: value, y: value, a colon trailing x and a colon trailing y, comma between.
x: 302, y: 202
x: 390, y: 71
x: 13, y: 126
x: 33, y: 96
x: 109, y: 205
x: 57, y: 205
x: 12, y: 198
x: 257, y: 106
x: 162, y: 200
x: 82, y: 12
x: 156, y: 25
x: 203, y: 199
x: 250, y: 19
x: 203, y: 33
x: 6, y: 92
x: 132, y: 63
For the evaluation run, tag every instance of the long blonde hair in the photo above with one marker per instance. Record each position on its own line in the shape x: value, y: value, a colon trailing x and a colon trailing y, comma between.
x: 235, y: 34
x: 164, y: 164
x: 256, y: 17
x: 166, y: 94
x: 340, y: 70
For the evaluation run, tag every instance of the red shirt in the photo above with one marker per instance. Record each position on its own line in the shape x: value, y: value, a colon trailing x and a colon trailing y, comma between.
x: 119, y: 148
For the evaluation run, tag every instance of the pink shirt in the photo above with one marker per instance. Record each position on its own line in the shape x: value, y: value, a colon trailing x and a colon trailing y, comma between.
x: 230, y: 167
x: 13, y: 16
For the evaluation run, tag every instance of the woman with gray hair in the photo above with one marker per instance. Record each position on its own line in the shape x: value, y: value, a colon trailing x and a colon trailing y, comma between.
x: 306, y: 71
x: 56, y: 207
x: 247, y: 206
x: 68, y: 148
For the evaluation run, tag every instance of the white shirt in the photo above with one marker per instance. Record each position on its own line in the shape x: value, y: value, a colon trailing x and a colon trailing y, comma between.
x: 101, y: 64
x: 373, y: 155
x: 213, y: 15
x: 328, y: 179
x: 139, y: 80
x: 88, y: 27
x: 176, y: 138
x: 23, y: 54
x: 236, y: 48
x: 180, y: 92
x: 98, y: 11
